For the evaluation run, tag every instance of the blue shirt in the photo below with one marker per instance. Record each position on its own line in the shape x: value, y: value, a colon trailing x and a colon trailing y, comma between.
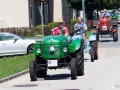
x: 83, y: 25
x: 105, y: 14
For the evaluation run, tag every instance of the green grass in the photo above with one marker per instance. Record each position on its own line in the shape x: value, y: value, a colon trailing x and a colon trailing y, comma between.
x: 88, y: 33
x: 13, y: 65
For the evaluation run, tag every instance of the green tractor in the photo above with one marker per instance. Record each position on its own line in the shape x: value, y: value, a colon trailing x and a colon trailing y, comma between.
x: 55, y: 52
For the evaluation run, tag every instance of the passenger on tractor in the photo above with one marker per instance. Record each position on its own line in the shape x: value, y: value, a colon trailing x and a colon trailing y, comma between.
x: 80, y: 28
x: 105, y: 14
x: 113, y: 14
x: 61, y: 29
x: 118, y: 11
x: 94, y: 16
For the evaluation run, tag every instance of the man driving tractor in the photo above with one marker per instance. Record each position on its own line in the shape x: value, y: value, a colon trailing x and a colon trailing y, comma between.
x: 80, y: 28
x: 105, y: 14
x: 60, y: 29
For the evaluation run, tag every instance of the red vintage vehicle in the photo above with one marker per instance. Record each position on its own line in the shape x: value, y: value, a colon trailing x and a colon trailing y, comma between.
x: 105, y: 26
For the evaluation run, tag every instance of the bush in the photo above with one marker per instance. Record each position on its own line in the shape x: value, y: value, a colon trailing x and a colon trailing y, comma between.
x: 74, y: 21
x: 46, y: 28
x: 70, y: 27
x: 53, y: 24
x: 30, y: 32
x: 89, y: 24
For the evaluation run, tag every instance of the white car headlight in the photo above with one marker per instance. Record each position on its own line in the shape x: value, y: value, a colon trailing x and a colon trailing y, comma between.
x: 39, y: 50
x: 65, y: 49
x: 52, y: 49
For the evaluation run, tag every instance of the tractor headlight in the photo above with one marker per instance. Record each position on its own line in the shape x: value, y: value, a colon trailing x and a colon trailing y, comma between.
x: 52, y: 49
x: 65, y: 49
x: 38, y: 50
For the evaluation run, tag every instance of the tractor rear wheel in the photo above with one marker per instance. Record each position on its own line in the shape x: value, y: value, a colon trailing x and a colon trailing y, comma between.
x: 97, y: 37
x: 32, y: 70
x: 96, y: 52
x: 73, y: 69
x: 95, y: 57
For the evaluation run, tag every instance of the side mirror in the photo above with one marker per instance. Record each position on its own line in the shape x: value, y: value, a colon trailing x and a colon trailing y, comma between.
x: 15, y: 38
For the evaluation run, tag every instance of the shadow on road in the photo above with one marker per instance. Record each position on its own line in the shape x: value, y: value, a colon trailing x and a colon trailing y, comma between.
x: 106, y: 36
x: 106, y: 41
x: 57, y: 77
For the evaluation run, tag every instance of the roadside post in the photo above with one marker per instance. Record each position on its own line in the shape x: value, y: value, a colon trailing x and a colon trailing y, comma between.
x: 41, y: 13
x: 83, y: 10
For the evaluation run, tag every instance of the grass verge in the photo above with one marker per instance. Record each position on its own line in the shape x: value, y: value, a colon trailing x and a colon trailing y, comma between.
x: 13, y: 65
x: 88, y: 33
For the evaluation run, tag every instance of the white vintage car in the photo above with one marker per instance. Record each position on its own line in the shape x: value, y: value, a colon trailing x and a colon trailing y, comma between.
x: 12, y: 44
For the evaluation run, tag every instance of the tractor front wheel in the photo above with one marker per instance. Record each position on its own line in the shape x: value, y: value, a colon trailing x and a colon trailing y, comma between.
x: 32, y: 70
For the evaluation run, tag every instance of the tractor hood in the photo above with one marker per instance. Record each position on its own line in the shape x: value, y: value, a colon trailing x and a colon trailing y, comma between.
x: 56, y: 40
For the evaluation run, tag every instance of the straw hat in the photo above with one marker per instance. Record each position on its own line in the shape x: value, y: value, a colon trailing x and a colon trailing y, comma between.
x: 60, y: 20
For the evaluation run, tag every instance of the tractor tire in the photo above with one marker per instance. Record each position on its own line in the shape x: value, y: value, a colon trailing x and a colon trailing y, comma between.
x: 32, y: 70
x: 115, y: 37
x: 73, y: 69
x: 95, y: 57
x: 96, y: 52
x: 92, y: 54
x: 80, y: 64
x: 97, y: 37
x: 80, y: 68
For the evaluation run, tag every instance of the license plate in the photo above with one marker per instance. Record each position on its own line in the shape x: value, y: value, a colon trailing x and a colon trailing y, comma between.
x: 52, y: 63
x: 104, y: 28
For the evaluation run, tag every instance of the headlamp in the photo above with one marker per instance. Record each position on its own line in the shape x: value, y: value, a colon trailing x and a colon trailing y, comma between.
x: 65, y: 49
x: 38, y: 50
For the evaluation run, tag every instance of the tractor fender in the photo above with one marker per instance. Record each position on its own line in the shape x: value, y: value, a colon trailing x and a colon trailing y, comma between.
x: 114, y: 30
x: 77, y: 40
x: 92, y: 37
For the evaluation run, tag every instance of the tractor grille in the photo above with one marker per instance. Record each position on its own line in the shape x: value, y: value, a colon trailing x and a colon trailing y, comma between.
x: 47, y: 54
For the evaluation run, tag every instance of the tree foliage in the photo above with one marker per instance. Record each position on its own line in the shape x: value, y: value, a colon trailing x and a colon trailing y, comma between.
x: 91, y: 5
x: 94, y: 4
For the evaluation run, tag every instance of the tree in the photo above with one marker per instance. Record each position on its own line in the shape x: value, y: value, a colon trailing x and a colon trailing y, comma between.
x: 91, y: 5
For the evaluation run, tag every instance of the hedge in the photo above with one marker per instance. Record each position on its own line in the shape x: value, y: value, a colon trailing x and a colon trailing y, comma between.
x: 28, y: 32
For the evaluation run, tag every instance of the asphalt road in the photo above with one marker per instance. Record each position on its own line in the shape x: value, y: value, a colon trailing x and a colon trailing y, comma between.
x: 103, y: 74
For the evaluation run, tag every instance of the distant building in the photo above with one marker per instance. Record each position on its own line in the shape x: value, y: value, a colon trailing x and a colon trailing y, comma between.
x: 25, y: 13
